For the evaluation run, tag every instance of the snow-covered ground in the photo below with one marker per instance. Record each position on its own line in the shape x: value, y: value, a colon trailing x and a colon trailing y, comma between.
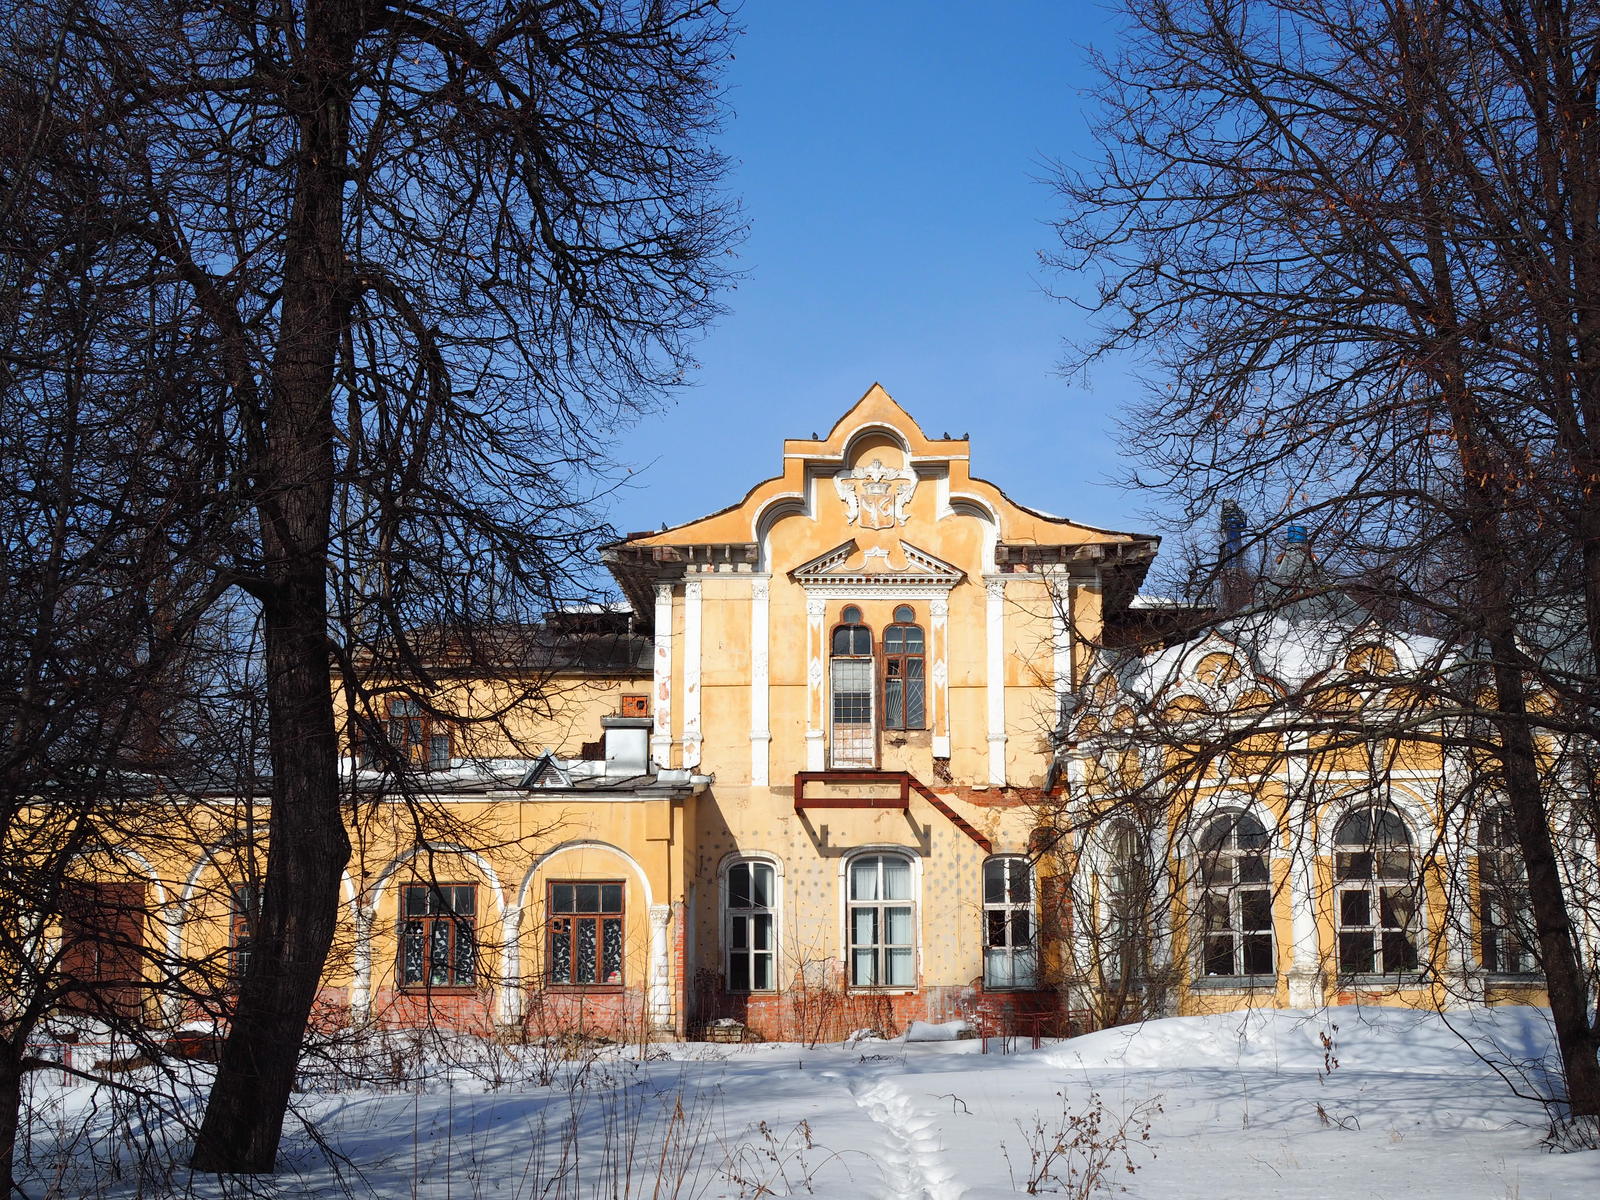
x: 1393, y: 1104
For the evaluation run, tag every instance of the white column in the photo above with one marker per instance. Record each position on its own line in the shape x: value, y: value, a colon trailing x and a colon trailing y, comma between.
x: 511, y: 973
x: 660, y: 968
x: 760, y: 718
x: 1305, y: 963
x: 995, y: 625
x: 816, y: 675
x: 661, y: 736
x: 939, y: 710
x: 361, y: 983
x: 691, y: 673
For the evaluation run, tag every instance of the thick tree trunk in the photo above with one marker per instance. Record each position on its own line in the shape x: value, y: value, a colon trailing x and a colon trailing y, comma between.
x: 308, y: 846
x: 10, y: 1118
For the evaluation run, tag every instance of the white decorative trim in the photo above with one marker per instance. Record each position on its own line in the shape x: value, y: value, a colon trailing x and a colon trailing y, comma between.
x: 691, y: 672
x: 939, y: 646
x: 1061, y: 639
x: 816, y: 609
x: 760, y: 696
x: 995, y: 685
x: 816, y: 750
x: 661, y: 736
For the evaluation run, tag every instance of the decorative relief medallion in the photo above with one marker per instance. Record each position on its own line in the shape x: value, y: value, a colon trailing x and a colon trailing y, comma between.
x: 941, y: 673
x: 816, y: 606
x: 759, y: 589
x: 814, y: 676
x: 874, y: 496
x: 940, y: 609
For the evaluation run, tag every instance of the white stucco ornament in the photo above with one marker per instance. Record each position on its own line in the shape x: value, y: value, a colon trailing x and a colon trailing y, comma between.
x: 876, y: 497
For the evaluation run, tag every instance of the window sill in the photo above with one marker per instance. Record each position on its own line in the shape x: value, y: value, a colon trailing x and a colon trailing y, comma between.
x: 901, y: 990
x: 1526, y: 979
x: 1380, y: 983
x: 588, y: 989
x: 441, y: 989
x: 1234, y: 983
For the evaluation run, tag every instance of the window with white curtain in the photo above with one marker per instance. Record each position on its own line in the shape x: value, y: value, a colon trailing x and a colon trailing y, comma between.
x: 882, y: 922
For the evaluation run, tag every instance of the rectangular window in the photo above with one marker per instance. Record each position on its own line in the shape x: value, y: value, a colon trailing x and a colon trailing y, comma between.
x: 1010, y: 958
x: 752, y: 948
x: 438, y: 935
x: 585, y: 934
x: 904, y: 682
x: 854, y: 744
x: 416, y: 736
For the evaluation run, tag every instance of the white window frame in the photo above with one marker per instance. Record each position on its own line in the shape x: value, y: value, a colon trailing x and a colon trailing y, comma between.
x: 1375, y: 885
x: 731, y: 915
x: 848, y: 907
x: 1504, y: 908
x: 1236, y: 893
x: 1008, y: 909
x: 836, y: 756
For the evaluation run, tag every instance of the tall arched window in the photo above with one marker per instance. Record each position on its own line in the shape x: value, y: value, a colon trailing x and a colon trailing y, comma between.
x: 1236, y: 897
x: 1374, y: 878
x: 1506, y: 936
x: 1128, y: 893
x: 1010, y: 952
x: 852, y: 684
x: 904, y: 674
x: 751, y: 933
x: 882, y: 922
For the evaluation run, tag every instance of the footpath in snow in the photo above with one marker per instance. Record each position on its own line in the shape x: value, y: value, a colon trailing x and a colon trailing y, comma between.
x: 1343, y: 1103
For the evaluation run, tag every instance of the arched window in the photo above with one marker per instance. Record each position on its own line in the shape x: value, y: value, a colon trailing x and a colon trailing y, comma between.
x: 1125, y: 952
x: 1010, y: 952
x: 750, y: 901
x: 1374, y: 878
x: 851, y: 681
x: 904, y: 676
x: 882, y: 922
x: 1235, y: 897
x: 1506, y: 936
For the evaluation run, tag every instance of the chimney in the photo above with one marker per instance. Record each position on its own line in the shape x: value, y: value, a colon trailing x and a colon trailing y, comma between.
x: 627, y: 745
x: 1233, y: 579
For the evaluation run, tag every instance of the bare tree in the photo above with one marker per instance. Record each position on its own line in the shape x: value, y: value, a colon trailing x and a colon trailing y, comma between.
x: 426, y: 256
x: 1354, y: 236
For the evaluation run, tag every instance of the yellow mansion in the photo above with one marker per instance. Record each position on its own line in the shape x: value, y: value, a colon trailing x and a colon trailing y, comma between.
x: 811, y: 776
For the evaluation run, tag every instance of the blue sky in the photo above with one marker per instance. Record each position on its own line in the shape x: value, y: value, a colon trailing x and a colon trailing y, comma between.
x: 887, y: 157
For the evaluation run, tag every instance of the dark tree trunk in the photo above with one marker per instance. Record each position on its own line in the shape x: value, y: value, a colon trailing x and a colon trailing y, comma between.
x: 10, y: 1118
x: 308, y: 846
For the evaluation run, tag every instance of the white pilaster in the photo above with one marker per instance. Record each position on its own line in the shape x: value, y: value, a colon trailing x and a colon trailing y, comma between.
x: 939, y: 709
x: 816, y: 677
x: 995, y: 629
x: 661, y: 736
x: 361, y: 981
x: 660, y: 968
x: 691, y: 673
x: 1305, y: 960
x: 511, y: 978
x: 1061, y: 640
x: 760, y: 714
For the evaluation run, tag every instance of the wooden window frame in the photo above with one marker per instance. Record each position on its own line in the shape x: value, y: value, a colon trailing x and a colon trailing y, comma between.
x: 424, y: 740
x: 564, y: 925
x: 244, y: 906
x: 453, y: 922
x: 903, y: 659
x: 1505, y: 915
